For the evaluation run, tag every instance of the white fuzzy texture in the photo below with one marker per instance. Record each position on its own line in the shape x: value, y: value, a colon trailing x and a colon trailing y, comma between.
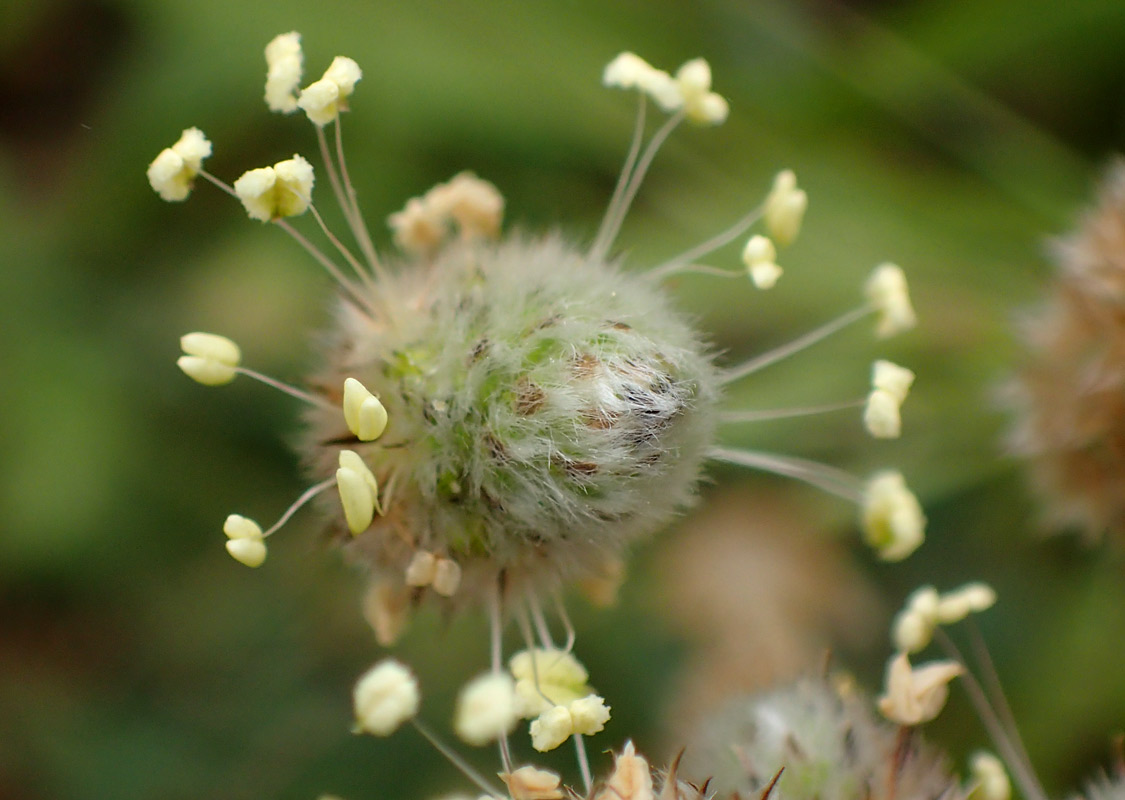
x: 831, y: 746
x: 544, y: 410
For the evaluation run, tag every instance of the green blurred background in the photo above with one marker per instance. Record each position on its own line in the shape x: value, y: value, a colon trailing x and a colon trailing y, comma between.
x: 137, y: 660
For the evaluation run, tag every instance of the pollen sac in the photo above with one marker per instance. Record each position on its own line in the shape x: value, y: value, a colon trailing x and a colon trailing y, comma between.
x: 547, y: 410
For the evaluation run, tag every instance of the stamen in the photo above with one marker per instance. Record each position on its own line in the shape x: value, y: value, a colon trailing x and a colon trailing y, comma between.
x: 598, y: 250
x: 292, y: 391
x: 540, y: 622
x: 666, y: 271
x: 310, y: 248
x: 992, y: 682
x: 453, y: 758
x: 495, y: 629
x: 786, y: 413
x: 359, y: 227
x: 1021, y: 771
x: 583, y: 761
x: 634, y: 184
x: 360, y: 272
x: 829, y: 479
x: 676, y: 264
x: 800, y: 343
x: 529, y: 642
x: 564, y: 618
x: 331, y: 268
x: 305, y: 497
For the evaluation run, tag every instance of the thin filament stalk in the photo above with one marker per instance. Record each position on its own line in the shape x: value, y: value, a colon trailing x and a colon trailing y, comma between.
x: 829, y: 479
x: 541, y: 626
x: 292, y: 391
x: 495, y: 630
x: 564, y: 618
x: 800, y: 343
x: 359, y: 227
x: 680, y: 263
x: 1021, y: 772
x: 453, y: 758
x: 308, y: 495
x: 598, y: 251
x: 785, y: 413
x: 330, y: 267
x: 635, y: 180
x: 357, y: 268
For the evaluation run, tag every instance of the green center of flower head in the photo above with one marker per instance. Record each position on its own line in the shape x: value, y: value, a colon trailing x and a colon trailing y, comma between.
x: 536, y: 397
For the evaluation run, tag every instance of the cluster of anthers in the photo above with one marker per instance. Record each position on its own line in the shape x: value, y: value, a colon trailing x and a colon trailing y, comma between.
x: 497, y: 417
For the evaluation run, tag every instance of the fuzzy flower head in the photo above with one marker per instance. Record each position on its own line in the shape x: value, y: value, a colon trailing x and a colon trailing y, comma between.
x: 827, y: 738
x: 1068, y: 399
x: 493, y: 416
x: 172, y: 173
